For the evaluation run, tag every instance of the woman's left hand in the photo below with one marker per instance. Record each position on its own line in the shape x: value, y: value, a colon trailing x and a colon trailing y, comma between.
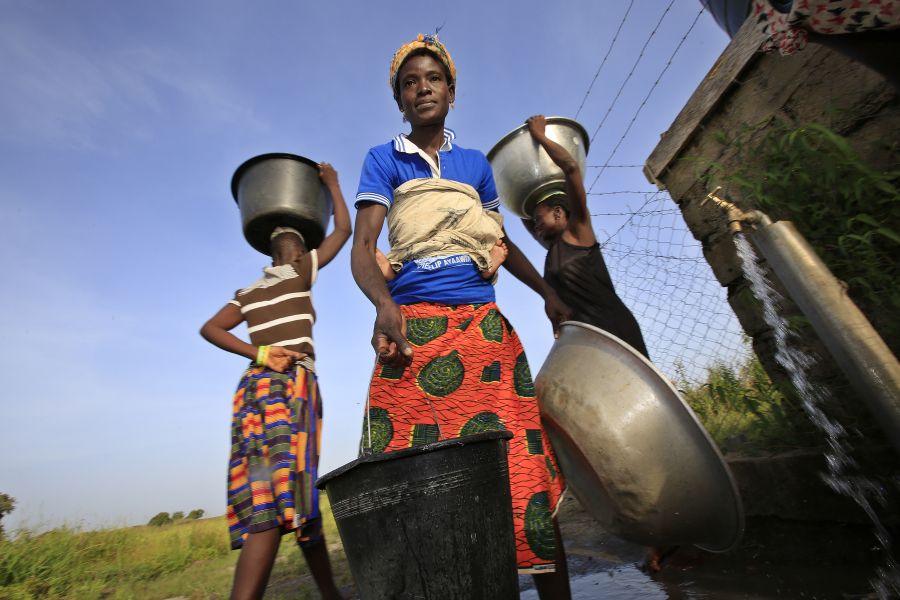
x: 281, y: 359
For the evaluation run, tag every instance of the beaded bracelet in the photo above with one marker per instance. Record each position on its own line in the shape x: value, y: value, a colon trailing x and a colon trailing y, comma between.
x: 262, y: 355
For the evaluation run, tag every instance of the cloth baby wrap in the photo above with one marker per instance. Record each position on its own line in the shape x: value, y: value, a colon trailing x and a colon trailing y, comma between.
x: 440, y: 217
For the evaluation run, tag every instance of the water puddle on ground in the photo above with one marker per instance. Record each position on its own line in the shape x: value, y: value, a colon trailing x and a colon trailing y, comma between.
x: 617, y: 583
x: 628, y: 582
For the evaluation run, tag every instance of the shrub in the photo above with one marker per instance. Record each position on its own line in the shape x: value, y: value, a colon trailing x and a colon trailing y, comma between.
x: 160, y: 519
x: 7, y: 504
x: 741, y: 408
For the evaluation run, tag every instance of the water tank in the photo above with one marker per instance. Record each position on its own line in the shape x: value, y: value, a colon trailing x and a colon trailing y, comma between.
x: 731, y: 14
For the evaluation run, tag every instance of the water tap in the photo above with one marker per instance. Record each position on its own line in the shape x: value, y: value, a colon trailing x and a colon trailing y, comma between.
x: 737, y: 218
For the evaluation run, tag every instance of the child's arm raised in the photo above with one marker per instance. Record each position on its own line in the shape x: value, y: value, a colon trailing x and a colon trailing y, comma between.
x: 579, y: 220
x: 217, y: 331
x: 339, y: 235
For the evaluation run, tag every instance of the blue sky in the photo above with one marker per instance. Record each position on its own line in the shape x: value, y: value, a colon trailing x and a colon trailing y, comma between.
x: 120, y: 127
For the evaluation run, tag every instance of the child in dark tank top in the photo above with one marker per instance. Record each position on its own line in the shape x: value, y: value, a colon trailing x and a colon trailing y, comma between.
x: 574, y: 266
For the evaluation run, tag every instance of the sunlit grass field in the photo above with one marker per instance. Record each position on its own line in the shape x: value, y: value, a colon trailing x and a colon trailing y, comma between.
x: 186, y: 559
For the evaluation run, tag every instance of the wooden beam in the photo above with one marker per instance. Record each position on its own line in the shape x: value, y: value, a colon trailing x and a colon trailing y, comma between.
x: 739, y: 54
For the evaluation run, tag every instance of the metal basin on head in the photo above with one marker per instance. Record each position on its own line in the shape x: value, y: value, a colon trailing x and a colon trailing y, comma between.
x: 281, y: 189
x: 631, y: 450
x: 525, y: 174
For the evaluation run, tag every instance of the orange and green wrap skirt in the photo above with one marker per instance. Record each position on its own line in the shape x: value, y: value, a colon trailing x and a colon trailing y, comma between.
x: 469, y: 363
x: 275, y: 439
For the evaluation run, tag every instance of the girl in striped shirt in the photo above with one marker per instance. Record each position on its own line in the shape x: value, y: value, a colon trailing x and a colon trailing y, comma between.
x: 277, y: 409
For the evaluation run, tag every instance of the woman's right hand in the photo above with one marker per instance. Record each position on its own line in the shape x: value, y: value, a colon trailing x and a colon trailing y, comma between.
x: 389, y: 338
x: 281, y: 359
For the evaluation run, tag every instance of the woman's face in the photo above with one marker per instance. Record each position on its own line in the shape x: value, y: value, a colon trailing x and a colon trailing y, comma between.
x: 425, y: 93
x: 549, y: 223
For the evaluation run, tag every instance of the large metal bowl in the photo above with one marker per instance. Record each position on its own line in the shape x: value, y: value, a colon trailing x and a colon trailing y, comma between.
x: 631, y: 450
x: 524, y: 172
x: 281, y: 190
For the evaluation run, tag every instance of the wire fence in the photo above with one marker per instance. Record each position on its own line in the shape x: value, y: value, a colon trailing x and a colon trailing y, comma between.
x: 657, y: 266
x: 660, y: 273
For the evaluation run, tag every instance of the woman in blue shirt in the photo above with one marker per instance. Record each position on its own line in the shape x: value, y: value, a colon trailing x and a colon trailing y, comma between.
x: 450, y: 363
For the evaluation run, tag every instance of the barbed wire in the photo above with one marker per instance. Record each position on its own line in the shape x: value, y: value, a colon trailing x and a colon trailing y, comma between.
x: 613, y: 166
x: 648, y: 254
x: 605, y: 56
x: 647, y: 97
x: 630, y: 73
x: 637, y: 212
x: 667, y: 211
x: 620, y: 192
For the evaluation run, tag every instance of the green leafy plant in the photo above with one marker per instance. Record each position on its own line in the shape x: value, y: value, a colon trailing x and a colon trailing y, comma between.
x: 742, y: 409
x: 848, y: 211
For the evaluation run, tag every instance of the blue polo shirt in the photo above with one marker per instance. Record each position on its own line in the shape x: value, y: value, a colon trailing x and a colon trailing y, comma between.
x: 444, y: 279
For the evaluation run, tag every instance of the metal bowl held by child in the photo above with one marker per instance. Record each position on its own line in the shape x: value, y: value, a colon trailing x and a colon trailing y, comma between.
x: 631, y: 450
x: 525, y: 174
x: 281, y: 189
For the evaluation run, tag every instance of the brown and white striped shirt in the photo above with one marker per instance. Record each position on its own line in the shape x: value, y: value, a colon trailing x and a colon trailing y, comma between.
x: 278, y: 307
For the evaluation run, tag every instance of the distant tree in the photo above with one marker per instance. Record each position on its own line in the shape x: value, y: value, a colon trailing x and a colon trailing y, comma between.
x: 177, y: 516
x: 197, y: 513
x: 7, y: 504
x: 160, y: 519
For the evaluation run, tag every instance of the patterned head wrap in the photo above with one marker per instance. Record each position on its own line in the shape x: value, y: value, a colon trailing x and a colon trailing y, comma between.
x: 428, y: 41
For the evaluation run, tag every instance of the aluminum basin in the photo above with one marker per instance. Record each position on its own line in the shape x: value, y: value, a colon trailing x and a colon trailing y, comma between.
x: 632, y: 451
x: 524, y: 172
x: 281, y: 189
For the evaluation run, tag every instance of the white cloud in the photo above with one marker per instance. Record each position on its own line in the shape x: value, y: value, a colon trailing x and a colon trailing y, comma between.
x: 64, y: 90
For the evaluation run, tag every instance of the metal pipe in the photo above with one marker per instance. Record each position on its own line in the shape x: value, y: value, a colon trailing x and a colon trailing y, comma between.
x: 859, y: 351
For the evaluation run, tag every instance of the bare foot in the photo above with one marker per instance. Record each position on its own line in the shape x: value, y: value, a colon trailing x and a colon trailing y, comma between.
x: 498, y: 255
x: 386, y: 269
x: 656, y: 556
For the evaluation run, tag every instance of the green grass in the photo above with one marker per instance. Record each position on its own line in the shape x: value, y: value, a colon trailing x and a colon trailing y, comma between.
x: 188, y: 559
x: 743, y: 411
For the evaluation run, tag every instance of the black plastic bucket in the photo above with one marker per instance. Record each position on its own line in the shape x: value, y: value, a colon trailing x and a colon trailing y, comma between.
x: 434, y: 521
x: 281, y: 189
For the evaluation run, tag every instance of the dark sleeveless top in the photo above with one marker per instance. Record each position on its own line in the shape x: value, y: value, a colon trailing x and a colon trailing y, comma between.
x: 580, y: 277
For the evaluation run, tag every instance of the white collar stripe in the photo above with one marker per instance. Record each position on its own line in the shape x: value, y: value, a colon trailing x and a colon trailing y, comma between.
x: 405, y: 145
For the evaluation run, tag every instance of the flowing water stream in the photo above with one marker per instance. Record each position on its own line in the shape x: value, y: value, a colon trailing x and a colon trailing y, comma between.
x: 842, y: 473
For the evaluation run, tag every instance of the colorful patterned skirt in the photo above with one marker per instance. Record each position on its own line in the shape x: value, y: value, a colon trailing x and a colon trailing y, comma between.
x: 275, y: 438
x: 469, y: 375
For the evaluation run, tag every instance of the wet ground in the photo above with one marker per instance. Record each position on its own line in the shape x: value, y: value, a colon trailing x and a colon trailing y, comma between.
x: 776, y: 559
